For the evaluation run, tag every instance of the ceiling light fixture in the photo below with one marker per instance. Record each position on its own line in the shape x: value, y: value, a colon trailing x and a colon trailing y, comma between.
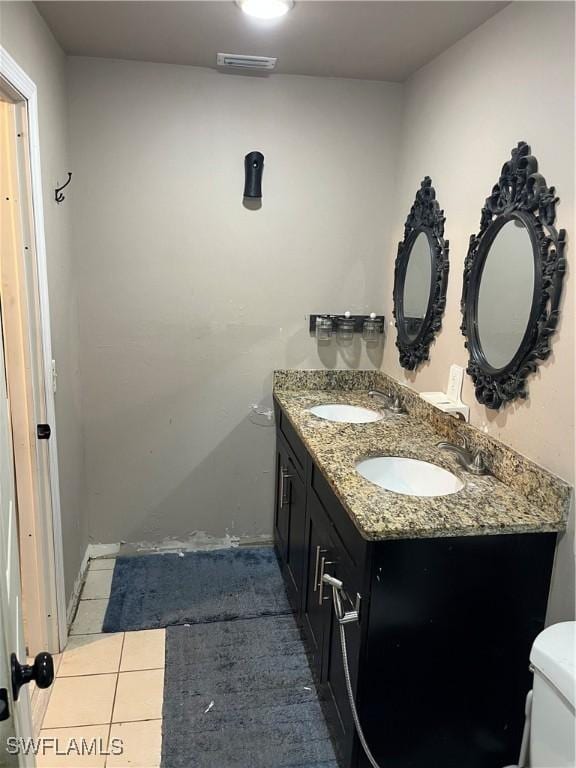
x: 265, y: 9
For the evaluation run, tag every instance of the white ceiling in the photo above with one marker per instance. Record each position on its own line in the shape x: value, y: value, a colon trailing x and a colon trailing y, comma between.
x: 371, y: 40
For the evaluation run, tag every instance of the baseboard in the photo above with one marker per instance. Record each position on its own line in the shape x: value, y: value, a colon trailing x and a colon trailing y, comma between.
x: 77, y: 589
x: 199, y: 541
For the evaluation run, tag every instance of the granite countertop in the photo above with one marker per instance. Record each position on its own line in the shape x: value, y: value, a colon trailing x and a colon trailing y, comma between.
x: 485, y: 505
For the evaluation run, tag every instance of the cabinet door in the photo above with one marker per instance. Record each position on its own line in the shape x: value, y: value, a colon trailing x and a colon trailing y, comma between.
x: 317, y: 603
x: 338, y: 712
x: 337, y: 708
x: 282, y: 510
x: 290, y: 522
x: 295, y: 555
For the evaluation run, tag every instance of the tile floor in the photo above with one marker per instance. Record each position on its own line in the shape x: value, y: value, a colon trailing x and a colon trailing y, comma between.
x: 108, y: 686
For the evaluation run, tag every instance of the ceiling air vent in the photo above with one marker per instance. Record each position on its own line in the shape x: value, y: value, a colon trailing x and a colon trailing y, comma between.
x: 239, y: 61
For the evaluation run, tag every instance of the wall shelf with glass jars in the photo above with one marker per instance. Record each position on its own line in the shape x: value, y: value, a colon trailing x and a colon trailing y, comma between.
x: 344, y: 326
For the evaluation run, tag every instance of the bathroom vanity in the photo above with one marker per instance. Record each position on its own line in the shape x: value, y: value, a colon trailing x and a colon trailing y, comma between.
x: 451, y: 591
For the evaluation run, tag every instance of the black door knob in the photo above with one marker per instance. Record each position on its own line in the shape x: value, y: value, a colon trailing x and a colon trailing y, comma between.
x: 42, y: 671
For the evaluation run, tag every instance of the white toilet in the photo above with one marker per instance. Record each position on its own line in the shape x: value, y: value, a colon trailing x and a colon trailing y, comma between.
x: 552, y: 721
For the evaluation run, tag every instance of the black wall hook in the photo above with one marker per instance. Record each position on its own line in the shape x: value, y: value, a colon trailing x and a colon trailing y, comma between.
x: 58, y: 196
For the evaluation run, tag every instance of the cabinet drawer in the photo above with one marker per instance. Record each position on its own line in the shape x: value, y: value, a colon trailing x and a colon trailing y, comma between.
x: 291, y: 461
x: 294, y: 443
x: 351, y: 539
x: 343, y: 566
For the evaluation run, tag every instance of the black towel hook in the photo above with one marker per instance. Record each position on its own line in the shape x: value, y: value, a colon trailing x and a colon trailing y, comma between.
x: 58, y: 196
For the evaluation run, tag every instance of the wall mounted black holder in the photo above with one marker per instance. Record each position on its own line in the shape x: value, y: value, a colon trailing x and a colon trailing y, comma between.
x: 253, y: 167
x: 359, y: 321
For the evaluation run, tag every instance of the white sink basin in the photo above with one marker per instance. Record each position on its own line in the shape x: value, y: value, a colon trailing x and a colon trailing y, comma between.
x: 346, y: 414
x: 409, y: 476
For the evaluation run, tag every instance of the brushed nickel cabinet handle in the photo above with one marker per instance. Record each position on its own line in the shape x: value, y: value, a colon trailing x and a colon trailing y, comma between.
x: 284, y: 475
x: 319, y: 551
x: 323, y: 564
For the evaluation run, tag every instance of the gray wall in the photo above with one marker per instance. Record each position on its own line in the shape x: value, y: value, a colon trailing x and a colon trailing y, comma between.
x: 463, y: 113
x: 26, y: 37
x: 189, y: 300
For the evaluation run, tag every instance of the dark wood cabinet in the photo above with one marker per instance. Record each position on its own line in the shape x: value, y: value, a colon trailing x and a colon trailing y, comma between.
x: 439, y: 657
x: 290, y: 520
x: 282, y: 513
x: 316, y: 606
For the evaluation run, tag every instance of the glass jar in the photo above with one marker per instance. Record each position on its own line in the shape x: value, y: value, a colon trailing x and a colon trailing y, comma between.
x: 323, y: 328
x: 346, y: 328
x: 371, y: 330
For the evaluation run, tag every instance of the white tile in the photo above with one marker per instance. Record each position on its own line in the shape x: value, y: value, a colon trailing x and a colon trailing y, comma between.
x: 68, y: 742
x: 102, y: 564
x: 139, y: 696
x: 91, y: 655
x: 141, y: 744
x: 97, y: 585
x: 80, y: 701
x: 143, y: 650
x: 89, y: 617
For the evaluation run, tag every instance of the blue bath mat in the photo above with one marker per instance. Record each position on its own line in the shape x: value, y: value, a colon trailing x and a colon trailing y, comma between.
x: 152, y: 591
x: 239, y: 694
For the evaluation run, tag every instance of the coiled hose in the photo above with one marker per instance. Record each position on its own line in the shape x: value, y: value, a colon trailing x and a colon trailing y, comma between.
x: 359, y: 730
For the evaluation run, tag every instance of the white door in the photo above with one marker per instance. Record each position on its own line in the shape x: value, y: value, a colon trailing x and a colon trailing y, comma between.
x: 19, y: 722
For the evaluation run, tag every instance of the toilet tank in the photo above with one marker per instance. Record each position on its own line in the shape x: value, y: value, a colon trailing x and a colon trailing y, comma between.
x: 553, y: 731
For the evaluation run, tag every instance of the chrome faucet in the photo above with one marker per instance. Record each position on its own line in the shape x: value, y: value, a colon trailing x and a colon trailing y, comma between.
x: 471, y: 461
x: 392, y: 402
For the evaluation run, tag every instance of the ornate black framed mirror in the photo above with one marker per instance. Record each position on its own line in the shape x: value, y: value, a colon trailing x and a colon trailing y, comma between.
x: 420, y: 278
x: 513, y: 277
